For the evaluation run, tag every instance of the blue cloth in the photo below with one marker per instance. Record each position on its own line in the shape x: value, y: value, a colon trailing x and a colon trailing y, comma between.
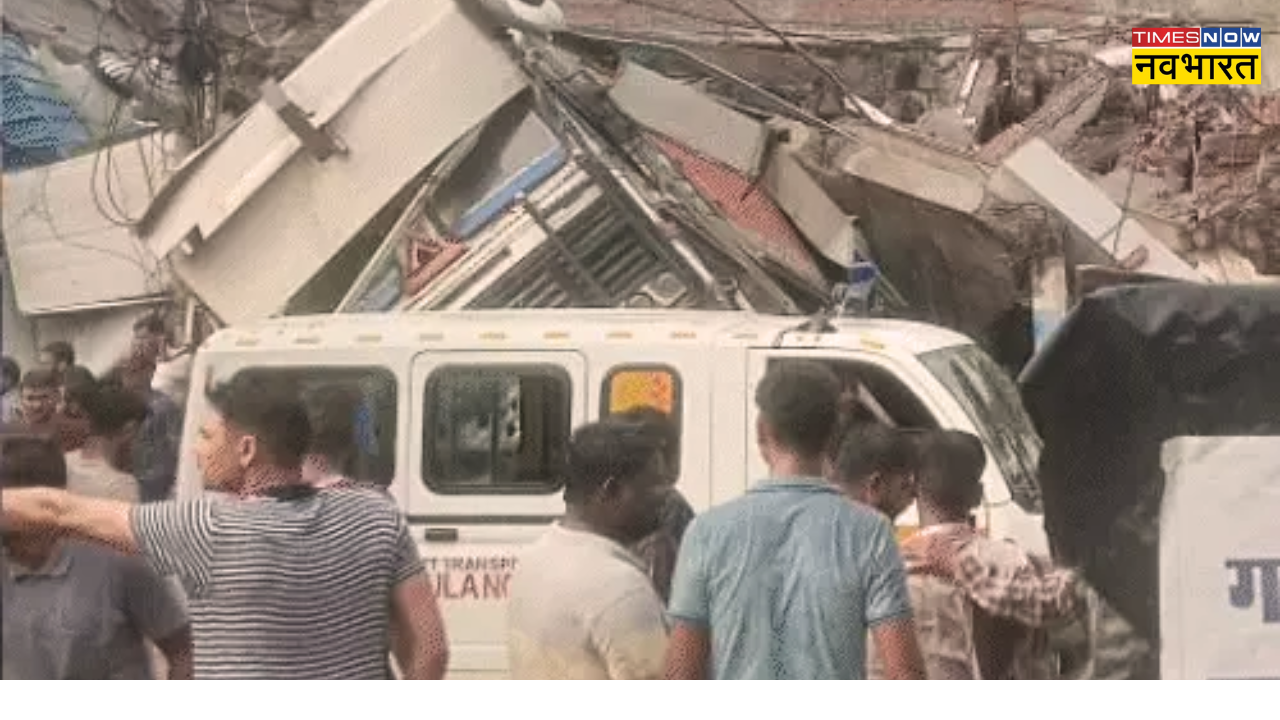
x: 788, y: 579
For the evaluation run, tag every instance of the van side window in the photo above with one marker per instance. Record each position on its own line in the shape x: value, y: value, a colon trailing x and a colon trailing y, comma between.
x: 873, y: 394
x: 992, y: 402
x: 645, y: 387
x: 353, y: 416
x: 496, y: 429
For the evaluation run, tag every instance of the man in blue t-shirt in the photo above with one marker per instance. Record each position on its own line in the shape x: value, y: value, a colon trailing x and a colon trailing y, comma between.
x: 786, y: 582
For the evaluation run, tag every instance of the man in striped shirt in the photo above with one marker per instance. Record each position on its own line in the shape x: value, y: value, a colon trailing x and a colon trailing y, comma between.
x: 283, y: 581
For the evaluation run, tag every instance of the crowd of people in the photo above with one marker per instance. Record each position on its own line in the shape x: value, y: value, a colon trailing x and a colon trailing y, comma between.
x: 270, y: 576
x: 292, y: 570
x: 801, y: 578
x: 74, y: 609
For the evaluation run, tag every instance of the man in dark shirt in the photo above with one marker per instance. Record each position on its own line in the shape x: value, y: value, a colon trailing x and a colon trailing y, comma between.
x: 661, y: 547
x: 156, y: 448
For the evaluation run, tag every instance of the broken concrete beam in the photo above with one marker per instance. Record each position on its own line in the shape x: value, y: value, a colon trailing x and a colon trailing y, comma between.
x: 814, y: 213
x: 1058, y: 120
x: 317, y: 140
x: 1115, y: 56
x: 689, y: 117
x: 917, y: 179
x: 978, y: 94
x: 1086, y: 206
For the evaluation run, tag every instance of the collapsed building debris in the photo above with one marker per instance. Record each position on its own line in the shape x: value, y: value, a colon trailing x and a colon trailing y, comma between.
x: 74, y: 270
x: 1218, y: 151
x: 583, y: 169
x: 985, y: 181
x: 1092, y: 213
x: 255, y: 215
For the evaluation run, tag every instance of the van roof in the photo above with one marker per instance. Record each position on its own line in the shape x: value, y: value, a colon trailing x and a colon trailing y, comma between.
x: 541, y: 328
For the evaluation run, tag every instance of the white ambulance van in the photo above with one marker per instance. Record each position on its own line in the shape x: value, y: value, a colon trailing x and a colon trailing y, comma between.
x: 464, y: 416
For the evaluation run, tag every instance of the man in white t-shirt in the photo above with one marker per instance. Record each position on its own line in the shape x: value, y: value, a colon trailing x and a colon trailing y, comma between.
x: 582, y: 606
x: 94, y: 470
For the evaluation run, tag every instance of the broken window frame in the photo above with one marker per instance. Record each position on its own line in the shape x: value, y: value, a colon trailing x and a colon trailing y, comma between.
x: 994, y: 406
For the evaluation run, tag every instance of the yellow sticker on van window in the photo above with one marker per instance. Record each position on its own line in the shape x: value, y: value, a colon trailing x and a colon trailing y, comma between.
x: 630, y: 389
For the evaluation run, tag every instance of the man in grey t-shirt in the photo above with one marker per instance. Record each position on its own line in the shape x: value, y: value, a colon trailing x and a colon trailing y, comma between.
x: 72, y: 610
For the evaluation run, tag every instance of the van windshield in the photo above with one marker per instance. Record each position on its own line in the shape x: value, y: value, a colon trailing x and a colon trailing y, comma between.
x: 992, y: 403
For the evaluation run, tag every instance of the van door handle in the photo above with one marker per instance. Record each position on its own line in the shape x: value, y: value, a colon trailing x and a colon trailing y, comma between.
x: 441, y: 535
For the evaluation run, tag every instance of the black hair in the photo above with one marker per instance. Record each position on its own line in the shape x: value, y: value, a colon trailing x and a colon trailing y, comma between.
x: 949, y: 475
x: 110, y: 408
x: 41, y: 379
x: 332, y: 414
x: 61, y: 351
x: 609, y: 449
x: 9, y: 371
x: 77, y: 377
x: 800, y: 401
x: 663, y: 425
x: 31, y: 460
x: 267, y: 411
x: 79, y: 392
x: 868, y: 448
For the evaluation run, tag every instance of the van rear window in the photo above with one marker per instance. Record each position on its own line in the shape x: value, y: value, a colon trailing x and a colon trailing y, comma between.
x: 352, y: 412
x: 645, y: 389
x: 496, y: 429
x: 629, y: 389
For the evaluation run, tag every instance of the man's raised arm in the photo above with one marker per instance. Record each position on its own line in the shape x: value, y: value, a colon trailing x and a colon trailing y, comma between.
x: 999, y: 577
x: 49, y: 510
x: 175, y: 538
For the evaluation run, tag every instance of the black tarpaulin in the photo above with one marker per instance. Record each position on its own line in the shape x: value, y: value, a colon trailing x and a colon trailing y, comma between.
x: 1129, y: 368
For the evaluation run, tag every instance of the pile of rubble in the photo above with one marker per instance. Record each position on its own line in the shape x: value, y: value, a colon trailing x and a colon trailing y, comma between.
x: 935, y: 177
x: 1217, y: 153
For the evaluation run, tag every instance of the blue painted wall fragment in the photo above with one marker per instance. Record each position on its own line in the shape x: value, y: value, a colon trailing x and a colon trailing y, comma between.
x: 38, y: 126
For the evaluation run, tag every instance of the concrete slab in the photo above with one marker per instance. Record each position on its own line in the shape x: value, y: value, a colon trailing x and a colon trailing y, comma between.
x: 683, y: 114
x: 821, y: 221
x: 917, y: 179
x: 1086, y: 206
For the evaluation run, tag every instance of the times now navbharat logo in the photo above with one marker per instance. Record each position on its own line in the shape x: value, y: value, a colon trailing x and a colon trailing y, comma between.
x: 1197, y: 56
